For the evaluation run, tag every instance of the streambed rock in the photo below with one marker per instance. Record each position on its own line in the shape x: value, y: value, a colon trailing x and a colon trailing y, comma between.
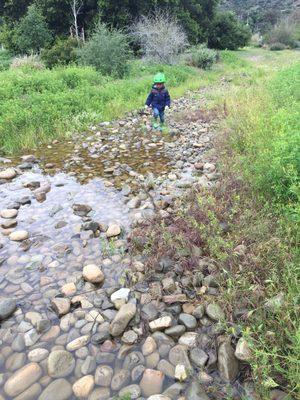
x: 60, y: 364
x: 122, y: 319
x: 22, y: 379
x: 7, y: 308
x: 227, y: 363
x: 59, y: 389
x: 19, y: 236
x: 8, y: 174
x: 92, y: 273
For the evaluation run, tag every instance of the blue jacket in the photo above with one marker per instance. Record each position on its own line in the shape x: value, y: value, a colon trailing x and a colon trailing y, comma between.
x: 158, y: 98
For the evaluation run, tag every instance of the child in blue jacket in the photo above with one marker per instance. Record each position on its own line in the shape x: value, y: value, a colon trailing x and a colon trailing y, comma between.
x: 159, y: 99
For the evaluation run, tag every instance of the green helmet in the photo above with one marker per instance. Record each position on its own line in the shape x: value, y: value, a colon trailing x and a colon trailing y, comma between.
x: 159, y: 78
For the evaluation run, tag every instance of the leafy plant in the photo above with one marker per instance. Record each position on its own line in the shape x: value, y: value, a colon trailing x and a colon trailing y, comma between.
x: 5, y: 60
x: 201, y: 57
x: 63, y: 52
x: 107, y: 50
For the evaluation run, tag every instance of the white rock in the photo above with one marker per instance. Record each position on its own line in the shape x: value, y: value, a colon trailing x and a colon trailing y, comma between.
x: 160, y: 323
x: 78, y: 343
x: 18, y: 236
x: 243, y: 351
x: 113, y: 230
x: 92, y: 273
x: 188, y: 339
x: 181, y: 373
x: 9, y: 213
x: 121, y: 294
x: 8, y: 173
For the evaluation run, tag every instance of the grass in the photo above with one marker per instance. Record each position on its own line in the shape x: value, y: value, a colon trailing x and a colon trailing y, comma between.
x: 37, y: 106
x: 5, y: 60
x: 259, y: 200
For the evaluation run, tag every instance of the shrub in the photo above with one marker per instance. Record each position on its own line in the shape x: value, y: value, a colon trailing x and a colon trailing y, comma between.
x: 278, y: 46
x: 228, y: 32
x: 32, y: 32
x: 283, y: 33
x: 201, y: 57
x: 31, y: 62
x: 63, y: 52
x: 107, y: 50
x: 160, y: 36
x: 5, y: 60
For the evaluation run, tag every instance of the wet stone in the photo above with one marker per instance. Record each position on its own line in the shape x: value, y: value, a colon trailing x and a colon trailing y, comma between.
x: 175, y: 331
x: 103, y: 375
x: 198, y: 357
x: 152, y: 382
x: 7, y: 308
x: 22, y: 379
x: 120, y: 379
x: 188, y: 320
x: 60, y: 364
x: 133, y: 391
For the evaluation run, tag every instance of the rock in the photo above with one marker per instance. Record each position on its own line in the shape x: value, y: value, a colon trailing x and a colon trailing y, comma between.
x: 100, y: 394
x: 15, y: 361
x: 149, y: 311
x: 159, y: 397
x: 167, y: 368
x: 19, y: 236
x: 175, y: 331
x: 168, y: 285
x: 7, y: 308
x: 189, y: 321
x: 31, y: 393
x: 122, y: 319
x: 215, y: 312
x: 120, y: 379
x: 149, y: 346
x: 199, y: 311
x: 8, y: 173
x: 132, y: 391
x: 61, y: 305
x: 204, y: 378
x: 188, y: 339
x: 243, y: 351
x: 78, y: 343
x: 152, y: 382
x: 38, y: 355
x: 277, y: 394
x: 89, y: 365
x: 152, y: 360
x: 60, y: 364
x: 103, y: 375
x: 181, y: 373
x: 9, y: 213
x: 133, y: 359
x: 83, y: 387
x: 178, y: 355
x: 160, y: 323
x: 198, y: 357
x: 129, y: 337
x: 59, y: 389
x: 196, y: 392
x: 22, y: 379
x: 31, y: 337
x: 113, y: 230
x: 92, y: 273
x: 69, y: 289
x: 121, y: 294
x: 227, y: 363
x: 174, y: 298
x: 81, y: 209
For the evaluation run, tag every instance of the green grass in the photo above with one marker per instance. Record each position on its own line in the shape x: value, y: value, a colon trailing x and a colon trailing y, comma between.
x: 5, y: 60
x: 37, y: 106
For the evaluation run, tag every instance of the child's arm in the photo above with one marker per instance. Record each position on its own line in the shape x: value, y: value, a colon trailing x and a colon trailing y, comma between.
x: 168, y: 99
x: 149, y: 99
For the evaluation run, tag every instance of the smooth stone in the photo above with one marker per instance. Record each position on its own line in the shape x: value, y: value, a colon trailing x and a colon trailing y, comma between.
x: 37, y: 355
x: 7, y: 308
x: 188, y: 339
x: 89, y: 365
x: 22, y: 379
x: 149, y: 346
x: 132, y: 391
x: 196, y: 392
x: 228, y: 365
x: 92, y: 273
x: 152, y: 382
x: 137, y: 373
x: 100, y: 394
x: 129, y: 337
x: 113, y: 230
x: 120, y: 379
x: 175, y: 331
x: 103, y: 375
x: 83, y: 387
x: 8, y: 173
x: 18, y: 236
x: 77, y: 343
x: 15, y: 361
x: 31, y: 393
x: 9, y: 213
x: 152, y: 360
x: 174, y: 391
x: 122, y: 319
x: 167, y: 368
x: 198, y: 357
x: 61, y: 305
x: 178, y: 355
x: 59, y: 389
x: 215, y: 312
x: 160, y: 323
x: 188, y: 321
x: 159, y: 397
x: 243, y: 351
x: 60, y: 364
x: 121, y: 294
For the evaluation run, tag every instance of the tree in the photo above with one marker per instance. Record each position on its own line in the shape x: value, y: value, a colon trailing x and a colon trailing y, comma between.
x: 33, y: 33
x: 227, y: 32
x: 76, y: 7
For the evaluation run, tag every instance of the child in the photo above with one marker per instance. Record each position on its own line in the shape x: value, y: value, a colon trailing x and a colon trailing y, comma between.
x: 159, y: 100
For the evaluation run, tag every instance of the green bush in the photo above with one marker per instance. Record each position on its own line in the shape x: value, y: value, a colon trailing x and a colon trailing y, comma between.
x: 201, y: 57
x: 63, y: 52
x: 32, y: 31
x: 283, y: 33
x: 228, y: 32
x: 107, y: 50
x: 277, y: 46
x: 5, y: 60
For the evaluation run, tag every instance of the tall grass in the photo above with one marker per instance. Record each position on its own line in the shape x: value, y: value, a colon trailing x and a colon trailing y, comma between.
x: 39, y: 105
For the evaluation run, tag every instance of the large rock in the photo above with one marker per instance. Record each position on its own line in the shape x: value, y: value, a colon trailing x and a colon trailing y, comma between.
x: 122, y: 319
x: 227, y: 363
x: 152, y: 382
x: 83, y: 387
x: 215, y: 312
x: 9, y: 213
x: 149, y: 346
x: 92, y: 273
x: 113, y: 230
x: 243, y: 351
x: 60, y: 389
x: 103, y: 375
x: 7, y: 308
x: 188, y: 321
x: 61, y: 305
x: 22, y: 379
x: 120, y: 379
x: 19, y: 236
x: 198, y: 357
x: 178, y: 355
x: 8, y: 173
x: 60, y: 364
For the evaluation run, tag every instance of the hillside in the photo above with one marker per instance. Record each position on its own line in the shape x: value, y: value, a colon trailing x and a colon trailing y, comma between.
x: 260, y: 13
